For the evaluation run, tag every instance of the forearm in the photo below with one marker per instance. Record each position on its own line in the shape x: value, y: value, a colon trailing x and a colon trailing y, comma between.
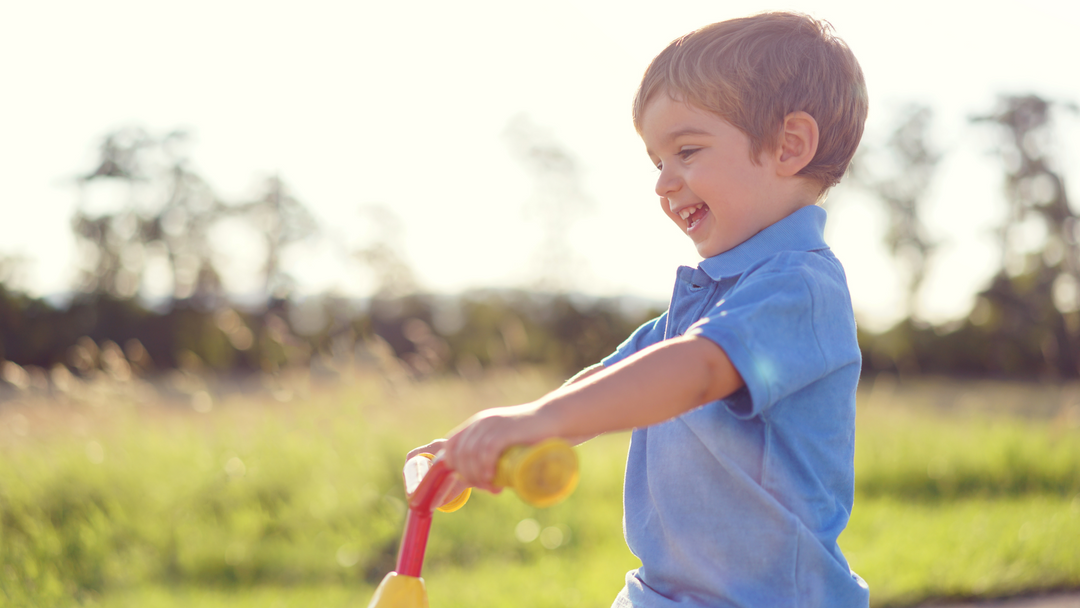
x: 588, y: 372
x: 592, y: 370
x: 652, y: 386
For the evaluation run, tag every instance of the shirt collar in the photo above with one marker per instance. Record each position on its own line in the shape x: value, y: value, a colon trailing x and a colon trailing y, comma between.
x: 803, y: 230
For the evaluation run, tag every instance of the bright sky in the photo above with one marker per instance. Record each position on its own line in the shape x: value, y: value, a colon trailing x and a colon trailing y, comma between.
x: 405, y: 104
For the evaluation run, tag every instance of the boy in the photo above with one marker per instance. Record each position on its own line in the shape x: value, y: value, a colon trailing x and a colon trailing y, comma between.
x: 741, y: 396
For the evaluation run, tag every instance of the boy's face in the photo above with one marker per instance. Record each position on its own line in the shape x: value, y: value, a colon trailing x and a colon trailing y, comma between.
x: 708, y: 184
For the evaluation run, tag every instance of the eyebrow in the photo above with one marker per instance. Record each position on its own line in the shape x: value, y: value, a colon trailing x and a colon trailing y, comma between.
x: 687, y: 131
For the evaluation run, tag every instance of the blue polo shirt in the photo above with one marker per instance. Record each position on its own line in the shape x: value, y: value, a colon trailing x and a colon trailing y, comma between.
x: 738, y: 503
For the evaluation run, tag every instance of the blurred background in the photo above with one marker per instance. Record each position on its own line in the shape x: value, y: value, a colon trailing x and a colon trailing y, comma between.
x: 257, y: 232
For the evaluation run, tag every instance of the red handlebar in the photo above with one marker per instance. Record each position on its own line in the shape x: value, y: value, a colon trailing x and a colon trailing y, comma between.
x: 422, y: 503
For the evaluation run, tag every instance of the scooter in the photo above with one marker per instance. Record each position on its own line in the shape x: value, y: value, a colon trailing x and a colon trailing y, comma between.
x: 542, y: 475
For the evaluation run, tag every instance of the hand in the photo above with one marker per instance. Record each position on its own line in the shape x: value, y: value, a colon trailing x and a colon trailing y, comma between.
x: 473, y: 449
x: 432, y: 448
x: 451, y: 488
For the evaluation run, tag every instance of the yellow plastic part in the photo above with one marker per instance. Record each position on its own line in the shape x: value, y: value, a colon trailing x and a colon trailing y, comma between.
x: 459, y: 500
x: 399, y: 591
x: 542, y: 474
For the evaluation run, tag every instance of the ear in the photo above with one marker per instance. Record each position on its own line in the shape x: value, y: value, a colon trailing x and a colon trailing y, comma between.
x: 798, y: 143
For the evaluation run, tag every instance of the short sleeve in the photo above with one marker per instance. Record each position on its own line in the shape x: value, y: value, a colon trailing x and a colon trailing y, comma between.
x: 650, y: 332
x: 766, y: 326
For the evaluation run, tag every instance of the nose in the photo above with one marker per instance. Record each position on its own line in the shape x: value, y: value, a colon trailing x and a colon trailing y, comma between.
x: 668, y: 183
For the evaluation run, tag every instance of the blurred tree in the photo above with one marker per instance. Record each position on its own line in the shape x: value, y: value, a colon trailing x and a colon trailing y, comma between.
x: 1034, y: 186
x: 1026, y: 323
x: 282, y: 220
x: 143, y: 207
x: 394, y: 277
x: 12, y: 268
x: 1036, y: 295
x: 900, y: 174
x: 168, y: 212
x: 181, y: 227
x: 560, y: 201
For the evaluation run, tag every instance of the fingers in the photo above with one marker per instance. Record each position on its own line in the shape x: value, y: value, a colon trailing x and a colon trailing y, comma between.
x: 457, y: 486
x: 472, y: 456
x: 432, y: 448
x: 472, y: 450
x: 475, y: 450
x: 453, y: 489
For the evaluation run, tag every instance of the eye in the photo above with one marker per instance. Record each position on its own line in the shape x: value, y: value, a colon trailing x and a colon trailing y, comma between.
x: 686, y: 153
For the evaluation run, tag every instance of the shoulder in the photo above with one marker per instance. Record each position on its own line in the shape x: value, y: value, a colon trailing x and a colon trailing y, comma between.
x: 813, y: 262
x: 817, y: 273
x: 795, y: 295
x: 785, y: 324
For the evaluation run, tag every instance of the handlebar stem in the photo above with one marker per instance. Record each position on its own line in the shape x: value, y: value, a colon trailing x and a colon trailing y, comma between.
x: 418, y: 521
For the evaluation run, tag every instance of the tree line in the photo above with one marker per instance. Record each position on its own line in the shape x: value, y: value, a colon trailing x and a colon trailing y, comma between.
x: 164, y: 219
x: 1026, y: 321
x: 162, y: 223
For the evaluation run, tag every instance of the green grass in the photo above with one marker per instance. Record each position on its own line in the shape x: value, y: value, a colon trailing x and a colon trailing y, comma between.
x: 134, y: 501
x: 968, y: 548
x: 909, y: 448
x: 262, y: 596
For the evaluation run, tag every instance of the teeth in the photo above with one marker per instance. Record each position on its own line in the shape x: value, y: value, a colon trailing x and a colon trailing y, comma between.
x: 685, y: 213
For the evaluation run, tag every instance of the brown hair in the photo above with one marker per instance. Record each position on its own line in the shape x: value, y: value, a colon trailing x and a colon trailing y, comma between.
x: 754, y: 71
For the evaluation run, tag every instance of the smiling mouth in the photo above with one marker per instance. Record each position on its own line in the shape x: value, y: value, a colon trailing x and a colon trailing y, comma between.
x: 693, y: 215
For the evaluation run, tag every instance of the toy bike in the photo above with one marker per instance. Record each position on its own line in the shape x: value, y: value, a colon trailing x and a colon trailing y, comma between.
x: 542, y: 475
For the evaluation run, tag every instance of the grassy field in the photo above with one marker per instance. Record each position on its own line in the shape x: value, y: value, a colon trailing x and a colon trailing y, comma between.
x: 112, y: 496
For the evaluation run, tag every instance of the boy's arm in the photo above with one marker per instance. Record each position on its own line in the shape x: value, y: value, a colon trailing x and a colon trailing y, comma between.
x: 585, y: 373
x: 654, y: 385
x: 592, y: 370
x: 435, y: 446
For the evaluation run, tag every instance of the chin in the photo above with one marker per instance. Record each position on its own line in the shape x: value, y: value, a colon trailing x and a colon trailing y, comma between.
x: 707, y: 252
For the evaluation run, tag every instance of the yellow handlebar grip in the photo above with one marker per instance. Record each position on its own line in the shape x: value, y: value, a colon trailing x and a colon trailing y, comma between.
x: 458, y: 502
x: 542, y: 474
